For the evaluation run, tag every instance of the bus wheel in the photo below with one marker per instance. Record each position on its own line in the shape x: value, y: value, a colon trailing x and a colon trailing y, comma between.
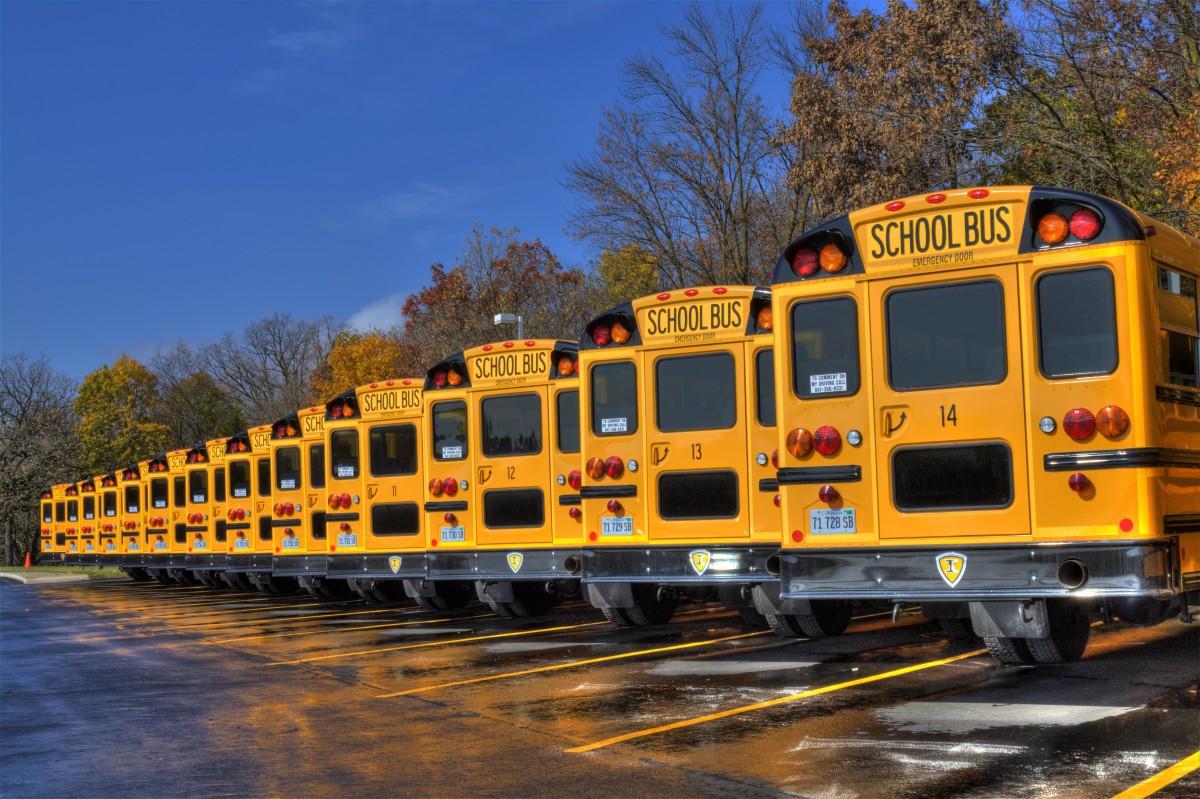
x: 501, y: 609
x: 183, y: 576
x: 1009, y: 651
x: 731, y: 597
x: 454, y: 594
x: 651, y: 606
x: 958, y: 629
x: 334, y: 589
x: 277, y: 586
x: 618, y: 617
x: 238, y: 581
x: 1069, y: 630
x: 828, y: 617
x: 136, y: 574
x: 162, y: 576
x: 531, y: 599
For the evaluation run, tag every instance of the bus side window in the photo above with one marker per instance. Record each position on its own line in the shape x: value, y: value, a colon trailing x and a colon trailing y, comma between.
x: 180, y: 494
x: 1179, y: 336
x: 264, y: 477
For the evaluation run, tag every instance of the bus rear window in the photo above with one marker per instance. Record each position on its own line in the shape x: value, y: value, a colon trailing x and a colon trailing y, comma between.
x: 316, y: 465
x: 393, y: 450
x: 60, y: 511
x: 264, y: 477
x: 47, y: 513
x: 614, y: 399
x: 695, y: 392
x: 131, y: 499
x: 825, y: 348
x: 72, y: 510
x: 343, y: 449
x: 764, y: 387
x: 108, y: 503
x: 287, y: 468
x: 946, y: 335
x: 450, y: 431
x: 198, y: 485
x: 512, y: 425
x: 567, y: 416
x: 179, y: 484
x: 158, y: 492
x: 1076, y: 323
x: 89, y: 507
x: 239, y: 479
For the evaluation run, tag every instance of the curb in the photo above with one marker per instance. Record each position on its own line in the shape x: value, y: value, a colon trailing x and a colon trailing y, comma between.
x: 38, y: 579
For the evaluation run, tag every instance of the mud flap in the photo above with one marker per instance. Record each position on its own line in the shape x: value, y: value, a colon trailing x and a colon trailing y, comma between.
x: 610, y: 595
x: 1015, y: 619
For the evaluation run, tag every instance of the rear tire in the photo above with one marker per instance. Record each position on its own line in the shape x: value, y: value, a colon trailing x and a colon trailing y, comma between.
x: 239, y: 581
x: 784, y: 625
x: 829, y: 617
x: 136, y: 574
x: 618, y: 617
x: 451, y: 595
x: 1069, y: 631
x: 649, y: 608
x: 531, y: 599
x: 1009, y: 651
x: 957, y: 629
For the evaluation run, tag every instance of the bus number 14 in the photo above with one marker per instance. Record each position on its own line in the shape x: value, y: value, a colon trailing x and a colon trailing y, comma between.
x: 950, y: 416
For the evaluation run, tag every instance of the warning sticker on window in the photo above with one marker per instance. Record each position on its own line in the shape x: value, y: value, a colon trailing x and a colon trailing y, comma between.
x: 287, y: 485
x: 827, y: 384
x: 618, y: 425
x: 449, y: 453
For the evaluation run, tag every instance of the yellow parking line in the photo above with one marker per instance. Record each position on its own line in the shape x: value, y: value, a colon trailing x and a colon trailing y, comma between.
x: 437, y: 643
x: 213, y: 625
x: 772, y: 702
x: 1162, y: 779
x: 326, y: 631
x: 218, y: 623
x: 572, y: 664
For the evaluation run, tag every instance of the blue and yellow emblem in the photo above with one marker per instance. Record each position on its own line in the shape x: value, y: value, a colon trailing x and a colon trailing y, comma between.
x: 700, y: 558
x: 515, y: 559
x: 394, y: 563
x: 952, y: 566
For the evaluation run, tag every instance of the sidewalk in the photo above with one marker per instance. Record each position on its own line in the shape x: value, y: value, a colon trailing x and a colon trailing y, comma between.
x: 40, y: 578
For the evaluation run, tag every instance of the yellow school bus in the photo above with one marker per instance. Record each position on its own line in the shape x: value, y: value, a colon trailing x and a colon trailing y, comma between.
x: 131, y: 544
x: 205, y: 559
x: 50, y: 554
x: 108, y: 513
x: 502, y: 509
x: 298, y: 503
x: 156, y: 511
x: 374, y: 435
x: 174, y: 520
x: 988, y: 405
x: 89, y: 533
x: 69, y: 523
x: 678, y: 430
x: 248, y: 513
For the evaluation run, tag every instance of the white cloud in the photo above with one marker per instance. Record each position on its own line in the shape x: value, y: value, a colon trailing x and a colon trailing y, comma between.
x: 424, y: 199
x: 382, y: 314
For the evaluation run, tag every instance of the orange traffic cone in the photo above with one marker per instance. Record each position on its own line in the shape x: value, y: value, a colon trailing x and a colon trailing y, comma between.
x: 27, y: 563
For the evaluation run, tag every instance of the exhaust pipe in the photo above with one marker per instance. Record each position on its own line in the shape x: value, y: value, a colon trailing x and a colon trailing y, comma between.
x: 1072, y: 574
x: 774, y: 563
x: 573, y: 565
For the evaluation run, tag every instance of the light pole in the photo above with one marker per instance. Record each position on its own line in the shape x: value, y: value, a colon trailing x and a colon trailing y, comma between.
x: 508, y: 319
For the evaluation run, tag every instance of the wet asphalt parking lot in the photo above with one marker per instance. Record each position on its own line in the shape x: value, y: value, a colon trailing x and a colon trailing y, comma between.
x: 123, y: 689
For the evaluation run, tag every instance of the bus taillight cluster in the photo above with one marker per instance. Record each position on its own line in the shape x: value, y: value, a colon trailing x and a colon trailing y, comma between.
x: 1080, y: 423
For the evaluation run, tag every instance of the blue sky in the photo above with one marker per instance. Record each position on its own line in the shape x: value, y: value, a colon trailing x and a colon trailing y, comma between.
x: 176, y: 170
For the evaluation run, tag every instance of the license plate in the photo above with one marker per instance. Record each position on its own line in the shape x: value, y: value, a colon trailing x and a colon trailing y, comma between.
x: 454, y: 533
x: 291, y: 543
x: 89, y: 548
x: 241, y: 543
x: 160, y: 544
x: 201, y: 545
x: 133, y: 547
x: 832, y: 521
x: 616, y: 525
x: 110, y: 548
x: 347, y: 539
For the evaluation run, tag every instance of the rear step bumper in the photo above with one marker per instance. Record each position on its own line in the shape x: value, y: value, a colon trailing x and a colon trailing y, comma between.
x: 1030, y: 571
x: 696, y: 564
x: 530, y: 564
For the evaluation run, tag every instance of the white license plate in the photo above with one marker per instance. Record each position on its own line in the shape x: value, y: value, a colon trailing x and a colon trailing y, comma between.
x: 110, y: 548
x: 241, y: 543
x: 201, y: 545
x: 347, y: 539
x: 831, y: 520
x: 160, y: 544
x: 89, y: 548
x: 616, y: 525
x: 133, y: 547
x: 291, y: 543
x: 454, y: 534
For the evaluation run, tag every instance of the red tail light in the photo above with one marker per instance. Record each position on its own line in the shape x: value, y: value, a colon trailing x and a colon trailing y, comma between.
x: 805, y: 262
x: 344, y: 527
x: 601, y: 335
x: 614, y: 468
x: 1085, y: 225
x: 575, y: 513
x: 439, y: 378
x: 828, y: 494
x: 288, y: 509
x: 1078, y: 482
x: 614, y: 507
x: 575, y: 479
x: 827, y: 440
x: 449, y: 518
x: 345, y: 500
x: 450, y: 486
x: 1079, y: 423
x: 778, y: 500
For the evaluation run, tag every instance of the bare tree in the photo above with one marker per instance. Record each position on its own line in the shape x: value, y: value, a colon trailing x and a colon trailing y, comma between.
x: 38, y: 445
x: 267, y: 372
x: 687, y: 170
